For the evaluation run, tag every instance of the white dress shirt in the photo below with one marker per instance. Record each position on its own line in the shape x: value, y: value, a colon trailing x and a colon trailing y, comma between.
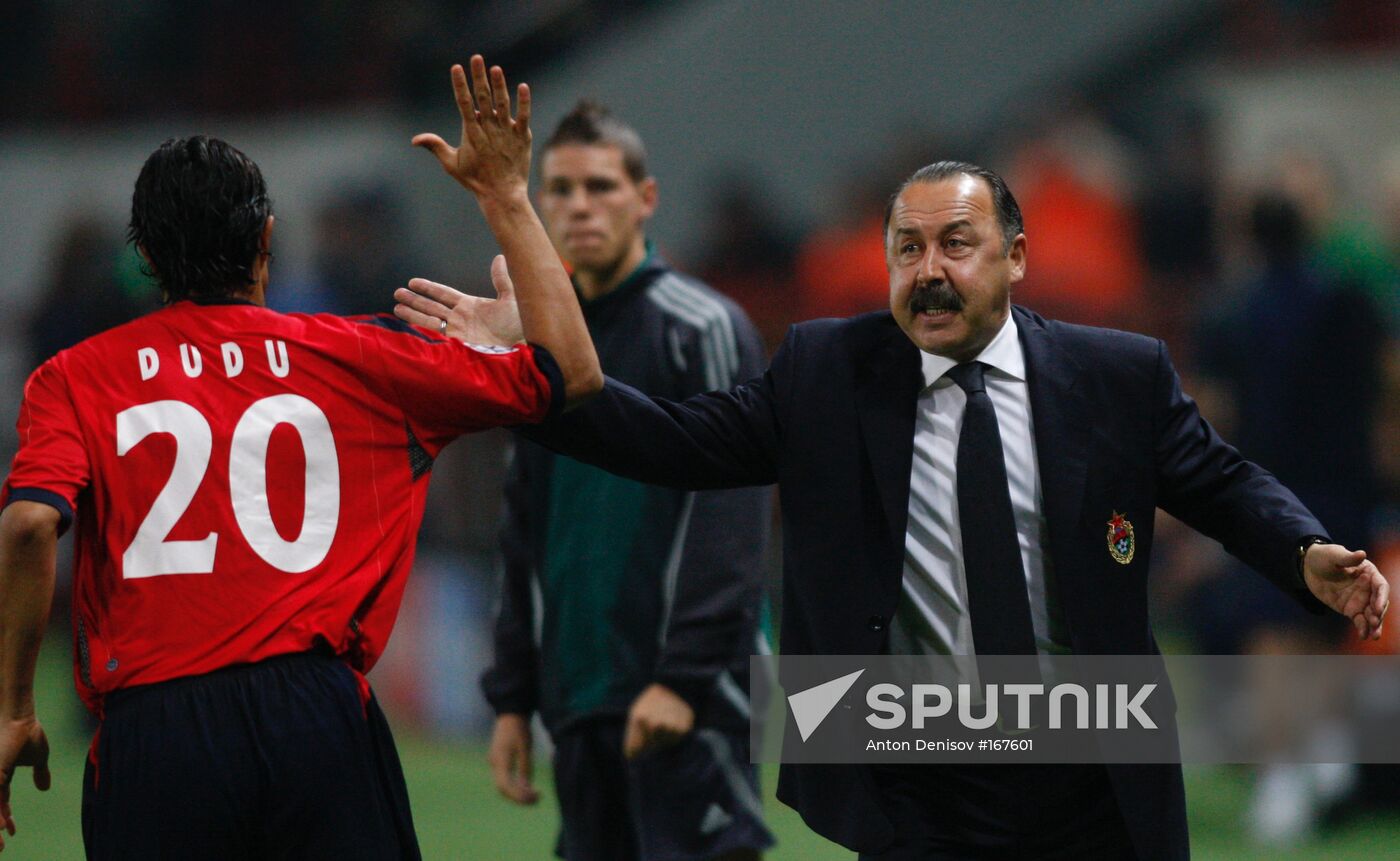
x: 932, y: 616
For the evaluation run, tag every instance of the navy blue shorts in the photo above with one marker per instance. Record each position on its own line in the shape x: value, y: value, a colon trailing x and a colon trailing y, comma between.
x: 274, y: 760
x: 693, y: 801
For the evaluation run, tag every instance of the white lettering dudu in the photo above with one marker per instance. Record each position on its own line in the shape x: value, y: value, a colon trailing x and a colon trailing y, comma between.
x: 149, y: 362
x: 277, y: 358
x: 192, y: 361
x: 233, y: 359
x: 151, y: 555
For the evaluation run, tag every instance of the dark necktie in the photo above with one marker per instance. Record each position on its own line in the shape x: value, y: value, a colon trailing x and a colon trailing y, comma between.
x: 996, y: 581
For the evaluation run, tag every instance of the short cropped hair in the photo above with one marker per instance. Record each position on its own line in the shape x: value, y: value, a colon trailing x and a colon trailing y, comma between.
x: 1008, y: 211
x: 198, y: 213
x: 591, y: 124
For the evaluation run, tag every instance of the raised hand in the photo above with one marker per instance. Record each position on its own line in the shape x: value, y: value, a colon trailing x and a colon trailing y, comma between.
x: 474, y: 319
x: 493, y: 157
x: 493, y: 162
x: 1349, y: 583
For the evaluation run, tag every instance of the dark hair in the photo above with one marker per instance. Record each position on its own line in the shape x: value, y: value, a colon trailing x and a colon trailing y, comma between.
x: 592, y: 124
x: 1008, y: 211
x: 198, y: 213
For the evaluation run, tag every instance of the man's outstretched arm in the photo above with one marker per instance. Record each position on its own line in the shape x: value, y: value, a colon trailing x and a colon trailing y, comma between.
x: 28, y: 538
x: 709, y: 441
x: 1207, y: 483
x: 493, y: 162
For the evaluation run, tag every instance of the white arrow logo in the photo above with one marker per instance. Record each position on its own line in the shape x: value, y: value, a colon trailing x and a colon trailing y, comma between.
x: 810, y: 707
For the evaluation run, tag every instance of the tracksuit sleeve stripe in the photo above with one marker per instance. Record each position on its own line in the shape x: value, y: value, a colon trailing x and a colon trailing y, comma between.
x: 711, y: 318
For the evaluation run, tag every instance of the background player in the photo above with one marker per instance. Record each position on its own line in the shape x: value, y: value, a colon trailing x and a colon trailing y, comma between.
x: 248, y: 486
x: 649, y: 597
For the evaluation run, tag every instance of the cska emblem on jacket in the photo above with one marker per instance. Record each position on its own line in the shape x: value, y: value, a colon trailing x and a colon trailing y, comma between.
x: 1121, y: 544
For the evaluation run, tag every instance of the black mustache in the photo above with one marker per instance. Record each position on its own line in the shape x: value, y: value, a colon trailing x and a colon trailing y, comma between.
x: 937, y: 296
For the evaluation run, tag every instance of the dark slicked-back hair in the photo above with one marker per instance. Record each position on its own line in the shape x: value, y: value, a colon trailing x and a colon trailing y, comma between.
x: 198, y: 212
x: 1008, y: 211
x: 592, y: 124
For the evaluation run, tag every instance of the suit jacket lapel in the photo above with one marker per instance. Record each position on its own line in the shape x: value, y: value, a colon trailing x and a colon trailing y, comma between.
x: 1061, y: 415
x: 887, y: 387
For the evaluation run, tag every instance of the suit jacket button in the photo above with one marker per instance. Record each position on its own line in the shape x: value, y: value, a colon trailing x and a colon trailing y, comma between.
x: 876, y: 623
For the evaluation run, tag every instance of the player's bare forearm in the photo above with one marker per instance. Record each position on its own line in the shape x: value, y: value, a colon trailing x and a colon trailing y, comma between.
x: 28, y: 540
x: 549, y: 311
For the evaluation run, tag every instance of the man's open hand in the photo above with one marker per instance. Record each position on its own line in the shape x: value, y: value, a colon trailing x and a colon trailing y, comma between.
x: 1349, y: 583
x: 22, y: 743
x: 493, y: 158
x: 474, y: 319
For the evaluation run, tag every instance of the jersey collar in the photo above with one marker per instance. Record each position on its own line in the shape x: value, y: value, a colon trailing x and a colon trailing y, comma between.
x: 635, y: 280
x: 221, y: 300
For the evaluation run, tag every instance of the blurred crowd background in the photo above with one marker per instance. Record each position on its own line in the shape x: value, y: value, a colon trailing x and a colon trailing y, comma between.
x: 1222, y: 174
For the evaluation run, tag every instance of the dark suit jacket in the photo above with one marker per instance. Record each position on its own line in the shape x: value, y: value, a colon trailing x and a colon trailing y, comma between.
x: 832, y: 422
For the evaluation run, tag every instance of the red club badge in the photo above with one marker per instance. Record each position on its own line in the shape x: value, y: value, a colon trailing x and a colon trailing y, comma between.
x: 1121, y: 544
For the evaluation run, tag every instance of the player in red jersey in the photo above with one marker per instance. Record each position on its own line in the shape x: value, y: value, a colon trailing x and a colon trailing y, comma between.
x: 247, y: 488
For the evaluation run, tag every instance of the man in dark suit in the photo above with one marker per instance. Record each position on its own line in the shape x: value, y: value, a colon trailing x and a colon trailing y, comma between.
x: 897, y: 518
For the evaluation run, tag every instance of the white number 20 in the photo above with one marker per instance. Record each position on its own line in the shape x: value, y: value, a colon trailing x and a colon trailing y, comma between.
x: 151, y: 555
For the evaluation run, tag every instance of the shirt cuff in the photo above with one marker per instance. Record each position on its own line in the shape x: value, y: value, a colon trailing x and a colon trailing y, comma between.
x: 695, y: 690
x: 516, y: 704
x: 47, y: 497
x: 550, y: 368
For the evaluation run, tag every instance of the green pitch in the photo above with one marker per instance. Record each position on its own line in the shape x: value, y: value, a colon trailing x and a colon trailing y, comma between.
x: 459, y: 815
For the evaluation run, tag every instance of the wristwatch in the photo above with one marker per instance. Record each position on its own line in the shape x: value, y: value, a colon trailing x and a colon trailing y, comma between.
x: 1303, y: 546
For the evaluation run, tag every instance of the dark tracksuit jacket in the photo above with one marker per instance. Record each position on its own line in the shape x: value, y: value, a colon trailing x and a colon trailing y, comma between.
x: 609, y: 584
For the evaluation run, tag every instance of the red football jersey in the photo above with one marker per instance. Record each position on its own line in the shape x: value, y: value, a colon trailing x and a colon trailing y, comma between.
x: 246, y: 482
